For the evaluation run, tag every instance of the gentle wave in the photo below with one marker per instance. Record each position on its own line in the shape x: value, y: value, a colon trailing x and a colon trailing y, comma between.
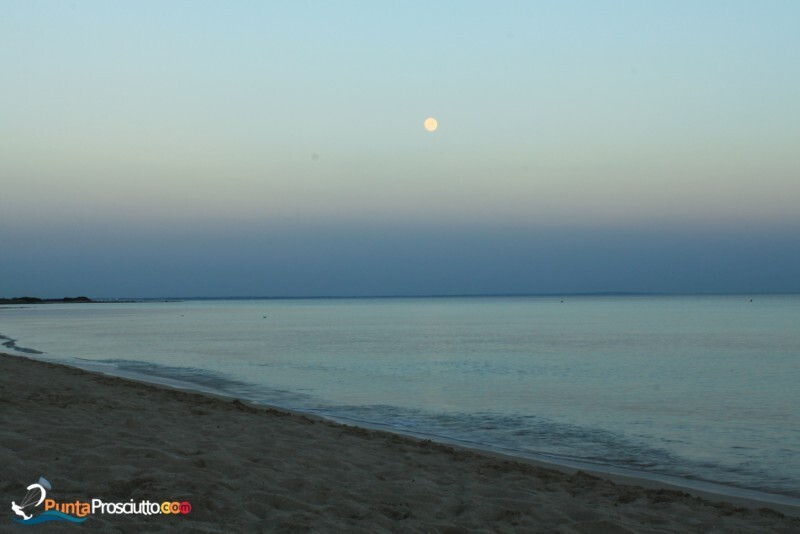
x: 11, y: 344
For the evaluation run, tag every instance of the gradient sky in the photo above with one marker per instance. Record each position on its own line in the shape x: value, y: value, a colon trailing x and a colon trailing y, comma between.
x: 260, y: 148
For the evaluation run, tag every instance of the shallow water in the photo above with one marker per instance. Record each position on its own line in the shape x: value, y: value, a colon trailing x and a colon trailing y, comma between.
x: 698, y: 387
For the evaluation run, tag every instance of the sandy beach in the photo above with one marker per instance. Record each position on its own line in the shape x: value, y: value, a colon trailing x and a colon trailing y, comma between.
x: 250, y: 469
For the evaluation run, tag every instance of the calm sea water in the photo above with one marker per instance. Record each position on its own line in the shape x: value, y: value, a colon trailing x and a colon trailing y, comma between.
x: 703, y: 388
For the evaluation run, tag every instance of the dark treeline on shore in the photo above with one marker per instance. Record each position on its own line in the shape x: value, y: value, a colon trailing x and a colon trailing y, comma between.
x: 36, y: 300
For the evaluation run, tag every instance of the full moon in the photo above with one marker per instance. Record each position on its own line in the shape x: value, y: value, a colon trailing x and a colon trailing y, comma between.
x: 431, y: 124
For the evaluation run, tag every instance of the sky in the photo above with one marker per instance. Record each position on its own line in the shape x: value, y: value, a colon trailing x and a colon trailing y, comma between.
x: 191, y: 148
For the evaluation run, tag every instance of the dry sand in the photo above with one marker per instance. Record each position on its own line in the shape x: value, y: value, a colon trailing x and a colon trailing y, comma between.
x: 246, y: 469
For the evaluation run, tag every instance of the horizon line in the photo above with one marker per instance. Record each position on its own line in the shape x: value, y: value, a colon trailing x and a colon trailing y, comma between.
x: 455, y: 295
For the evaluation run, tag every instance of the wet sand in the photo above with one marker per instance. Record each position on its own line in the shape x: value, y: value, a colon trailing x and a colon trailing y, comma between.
x: 251, y: 469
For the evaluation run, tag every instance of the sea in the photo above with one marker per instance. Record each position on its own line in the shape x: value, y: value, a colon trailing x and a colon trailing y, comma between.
x: 698, y: 391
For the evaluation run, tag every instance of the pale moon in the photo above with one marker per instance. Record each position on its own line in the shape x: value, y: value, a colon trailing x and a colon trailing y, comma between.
x: 431, y: 124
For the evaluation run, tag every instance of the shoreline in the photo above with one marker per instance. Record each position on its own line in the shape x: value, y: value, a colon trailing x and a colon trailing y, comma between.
x: 713, y: 491
x: 750, y: 498
x: 312, y: 471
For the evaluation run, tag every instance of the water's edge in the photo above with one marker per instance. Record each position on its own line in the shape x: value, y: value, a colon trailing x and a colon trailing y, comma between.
x: 706, y: 489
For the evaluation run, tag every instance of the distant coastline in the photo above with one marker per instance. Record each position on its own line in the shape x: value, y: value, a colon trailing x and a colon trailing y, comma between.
x: 602, y: 294
x: 36, y: 300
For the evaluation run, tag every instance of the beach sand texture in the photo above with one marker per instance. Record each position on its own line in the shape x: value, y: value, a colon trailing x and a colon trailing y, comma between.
x: 247, y: 469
